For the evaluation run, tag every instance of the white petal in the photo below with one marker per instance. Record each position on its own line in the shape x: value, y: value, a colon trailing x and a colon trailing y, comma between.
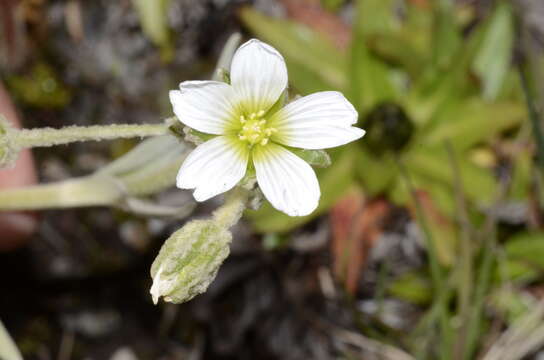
x: 317, y: 121
x: 204, y: 105
x: 286, y: 180
x: 213, y: 168
x: 258, y: 74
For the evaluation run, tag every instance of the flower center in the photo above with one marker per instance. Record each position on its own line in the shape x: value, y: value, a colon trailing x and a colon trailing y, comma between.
x: 254, y: 129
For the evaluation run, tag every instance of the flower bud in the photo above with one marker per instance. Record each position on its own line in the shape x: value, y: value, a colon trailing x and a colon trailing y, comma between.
x: 389, y: 129
x: 189, y: 260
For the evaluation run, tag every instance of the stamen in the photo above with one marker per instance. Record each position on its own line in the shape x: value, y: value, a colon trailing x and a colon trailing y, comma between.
x: 254, y: 129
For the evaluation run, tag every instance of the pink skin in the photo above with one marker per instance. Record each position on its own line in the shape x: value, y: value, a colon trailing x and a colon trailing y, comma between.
x: 16, y: 227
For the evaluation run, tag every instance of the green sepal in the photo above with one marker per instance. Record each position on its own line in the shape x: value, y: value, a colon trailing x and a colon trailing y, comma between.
x: 282, y: 100
x: 318, y: 158
x: 224, y: 75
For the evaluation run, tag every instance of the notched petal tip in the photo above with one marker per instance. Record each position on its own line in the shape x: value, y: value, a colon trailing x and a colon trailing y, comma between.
x: 258, y: 44
x: 206, y: 106
x: 258, y: 74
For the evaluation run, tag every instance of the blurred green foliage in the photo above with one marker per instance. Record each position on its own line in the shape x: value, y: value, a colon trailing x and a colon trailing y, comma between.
x: 154, y: 22
x: 437, y: 92
x: 40, y: 87
x: 450, y: 89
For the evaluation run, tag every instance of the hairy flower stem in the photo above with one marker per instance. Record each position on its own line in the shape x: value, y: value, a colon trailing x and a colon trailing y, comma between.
x: 44, y: 137
x: 231, y: 211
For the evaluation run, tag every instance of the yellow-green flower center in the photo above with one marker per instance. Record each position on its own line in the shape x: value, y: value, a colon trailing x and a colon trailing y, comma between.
x: 254, y: 128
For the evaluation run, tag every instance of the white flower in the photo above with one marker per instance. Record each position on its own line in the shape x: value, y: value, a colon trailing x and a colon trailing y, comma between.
x: 248, y: 133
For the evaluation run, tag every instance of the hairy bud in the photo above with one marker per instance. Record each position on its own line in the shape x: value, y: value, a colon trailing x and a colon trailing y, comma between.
x: 189, y: 260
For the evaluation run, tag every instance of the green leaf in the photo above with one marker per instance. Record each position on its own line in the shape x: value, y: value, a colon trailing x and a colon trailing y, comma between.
x: 473, y: 122
x: 446, y: 37
x: 435, y: 215
x: 397, y: 49
x: 528, y: 247
x: 376, y: 174
x: 494, y: 56
x: 440, y: 86
x: 375, y: 16
x: 302, y: 49
x: 521, y: 175
x: 412, y: 287
x: 153, y: 19
x: 516, y: 271
x: 433, y: 163
x: 371, y: 79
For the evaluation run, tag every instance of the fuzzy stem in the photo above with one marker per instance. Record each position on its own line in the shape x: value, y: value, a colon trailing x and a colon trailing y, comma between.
x: 231, y: 211
x: 44, y: 137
